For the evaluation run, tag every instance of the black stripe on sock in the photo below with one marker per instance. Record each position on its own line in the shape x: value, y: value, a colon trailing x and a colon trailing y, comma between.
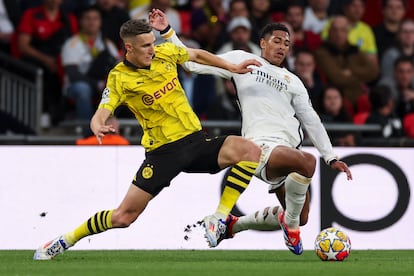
x: 104, y: 220
x: 98, y: 230
x: 239, y: 177
x: 238, y: 188
x: 241, y: 169
x: 90, y: 226
x: 102, y: 216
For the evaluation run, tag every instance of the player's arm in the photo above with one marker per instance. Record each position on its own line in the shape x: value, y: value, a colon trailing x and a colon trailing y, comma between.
x: 98, y: 126
x: 316, y: 131
x: 204, y: 57
x: 158, y: 21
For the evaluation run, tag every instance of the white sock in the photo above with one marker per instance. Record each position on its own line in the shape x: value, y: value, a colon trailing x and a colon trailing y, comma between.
x: 296, y: 187
x: 264, y: 220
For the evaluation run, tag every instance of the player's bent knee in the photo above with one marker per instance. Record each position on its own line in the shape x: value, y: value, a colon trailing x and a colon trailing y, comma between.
x: 240, y: 149
x: 309, y: 165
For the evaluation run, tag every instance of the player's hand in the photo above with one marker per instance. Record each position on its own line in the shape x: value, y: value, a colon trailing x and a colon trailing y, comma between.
x: 158, y: 20
x: 342, y: 167
x: 243, y: 67
x: 102, y: 131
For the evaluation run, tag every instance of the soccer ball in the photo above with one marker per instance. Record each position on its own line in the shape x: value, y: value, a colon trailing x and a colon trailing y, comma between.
x: 332, y: 244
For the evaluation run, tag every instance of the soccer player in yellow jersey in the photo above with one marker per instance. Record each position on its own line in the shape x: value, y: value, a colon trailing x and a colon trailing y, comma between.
x: 146, y: 81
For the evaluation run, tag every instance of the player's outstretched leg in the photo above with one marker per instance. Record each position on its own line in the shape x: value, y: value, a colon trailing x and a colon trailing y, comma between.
x: 98, y: 223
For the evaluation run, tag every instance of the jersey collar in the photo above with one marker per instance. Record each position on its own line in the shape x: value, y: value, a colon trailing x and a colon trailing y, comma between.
x: 133, y: 66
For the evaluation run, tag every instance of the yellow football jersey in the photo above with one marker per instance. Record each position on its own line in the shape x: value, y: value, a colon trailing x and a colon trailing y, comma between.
x: 154, y: 95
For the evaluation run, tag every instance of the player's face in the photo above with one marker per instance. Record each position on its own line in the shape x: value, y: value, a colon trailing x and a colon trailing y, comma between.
x: 275, y: 47
x: 140, y: 49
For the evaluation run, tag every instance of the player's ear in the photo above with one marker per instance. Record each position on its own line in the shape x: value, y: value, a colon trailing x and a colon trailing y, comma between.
x: 128, y: 46
x: 262, y: 43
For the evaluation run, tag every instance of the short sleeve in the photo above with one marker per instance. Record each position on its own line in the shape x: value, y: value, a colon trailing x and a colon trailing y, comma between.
x: 26, y: 23
x: 111, y: 95
x: 173, y: 53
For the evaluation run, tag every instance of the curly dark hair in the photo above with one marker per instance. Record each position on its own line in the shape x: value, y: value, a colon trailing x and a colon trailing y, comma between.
x: 271, y: 27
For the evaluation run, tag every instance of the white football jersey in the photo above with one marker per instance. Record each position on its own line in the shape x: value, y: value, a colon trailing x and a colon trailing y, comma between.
x: 274, y: 102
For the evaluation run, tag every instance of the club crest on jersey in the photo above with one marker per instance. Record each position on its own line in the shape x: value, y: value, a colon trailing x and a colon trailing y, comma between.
x: 168, y: 67
x: 147, y: 172
x: 287, y: 78
x: 148, y: 99
x: 105, y: 96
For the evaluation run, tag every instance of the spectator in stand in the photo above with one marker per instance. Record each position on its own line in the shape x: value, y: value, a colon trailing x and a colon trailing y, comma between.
x: 304, y: 39
x: 238, y: 8
x: 41, y: 34
x: 208, y: 26
x: 373, y: 13
x: 112, y: 19
x: 163, y: 5
x: 110, y: 139
x: 260, y: 16
x: 360, y: 33
x: 344, y: 65
x: 404, y: 46
x: 316, y: 15
x: 386, y: 32
x: 383, y: 113
x: 305, y: 69
x: 87, y: 58
x: 332, y: 110
x: 9, y: 19
x: 402, y: 85
x: 239, y: 30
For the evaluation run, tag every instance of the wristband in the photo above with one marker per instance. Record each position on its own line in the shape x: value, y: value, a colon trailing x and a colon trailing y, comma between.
x: 166, y: 30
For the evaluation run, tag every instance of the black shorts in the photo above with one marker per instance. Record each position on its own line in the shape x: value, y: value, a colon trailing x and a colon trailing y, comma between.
x: 195, y: 153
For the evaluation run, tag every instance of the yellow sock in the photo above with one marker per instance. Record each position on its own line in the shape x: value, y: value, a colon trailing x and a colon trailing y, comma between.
x: 237, y: 181
x: 98, y: 223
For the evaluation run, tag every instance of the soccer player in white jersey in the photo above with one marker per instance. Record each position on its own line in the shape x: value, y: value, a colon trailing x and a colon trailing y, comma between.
x: 274, y: 105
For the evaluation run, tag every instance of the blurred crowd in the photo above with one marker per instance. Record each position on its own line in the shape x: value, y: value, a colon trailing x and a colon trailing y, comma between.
x: 355, y: 57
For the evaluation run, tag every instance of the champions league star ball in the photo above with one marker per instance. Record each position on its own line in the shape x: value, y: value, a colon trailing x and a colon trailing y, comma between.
x: 332, y: 244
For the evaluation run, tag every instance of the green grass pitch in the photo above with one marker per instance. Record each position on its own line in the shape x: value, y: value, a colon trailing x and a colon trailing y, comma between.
x: 206, y: 262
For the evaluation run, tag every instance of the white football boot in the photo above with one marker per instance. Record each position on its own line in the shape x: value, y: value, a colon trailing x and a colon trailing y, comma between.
x: 215, y: 230
x: 51, y: 249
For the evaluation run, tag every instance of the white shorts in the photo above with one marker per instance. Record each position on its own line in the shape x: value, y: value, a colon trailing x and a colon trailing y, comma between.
x: 267, y: 144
